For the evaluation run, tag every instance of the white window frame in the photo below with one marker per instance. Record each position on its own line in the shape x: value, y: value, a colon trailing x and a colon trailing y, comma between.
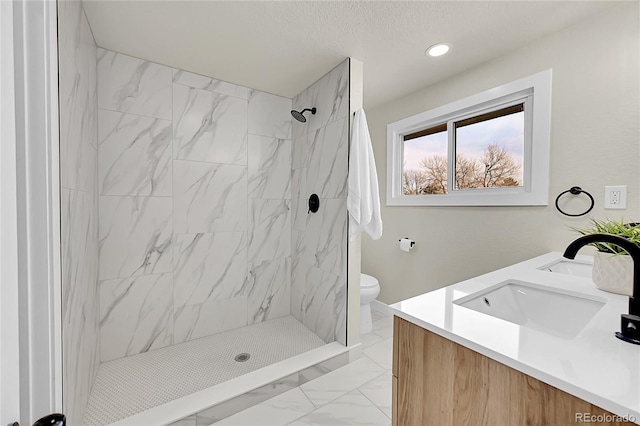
x: 535, y: 92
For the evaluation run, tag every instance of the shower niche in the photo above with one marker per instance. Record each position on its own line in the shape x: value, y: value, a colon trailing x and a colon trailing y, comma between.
x: 185, y: 231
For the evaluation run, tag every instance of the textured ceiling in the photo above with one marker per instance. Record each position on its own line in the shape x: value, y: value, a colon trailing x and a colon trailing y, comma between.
x: 283, y: 46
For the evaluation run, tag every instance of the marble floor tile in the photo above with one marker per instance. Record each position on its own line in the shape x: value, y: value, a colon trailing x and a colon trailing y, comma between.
x: 351, y: 409
x: 382, y: 322
x: 384, y: 332
x: 381, y: 353
x: 337, y: 383
x: 369, y: 339
x: 280, y: 410
x: 378, y: 391
x: 249, y: 400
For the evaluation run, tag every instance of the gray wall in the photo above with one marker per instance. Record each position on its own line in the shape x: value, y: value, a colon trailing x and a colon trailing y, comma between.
x: 320, y: 163
x: 78, y: 207
x: 594, y: 142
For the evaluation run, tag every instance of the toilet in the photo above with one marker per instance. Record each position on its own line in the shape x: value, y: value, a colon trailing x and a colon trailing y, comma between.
x: 369, y: 290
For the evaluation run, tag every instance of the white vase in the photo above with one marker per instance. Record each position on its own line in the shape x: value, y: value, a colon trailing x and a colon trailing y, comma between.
x: 613, y: 273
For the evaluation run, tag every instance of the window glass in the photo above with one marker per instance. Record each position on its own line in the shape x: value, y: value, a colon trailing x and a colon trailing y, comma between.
x: 424, y: 168
x: 489, y: 150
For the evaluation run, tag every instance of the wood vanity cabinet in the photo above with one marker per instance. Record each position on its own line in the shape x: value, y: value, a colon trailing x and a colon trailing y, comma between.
x: 438, y: 382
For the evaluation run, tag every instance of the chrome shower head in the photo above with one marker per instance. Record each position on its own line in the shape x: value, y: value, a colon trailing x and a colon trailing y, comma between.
x: 299, y: 115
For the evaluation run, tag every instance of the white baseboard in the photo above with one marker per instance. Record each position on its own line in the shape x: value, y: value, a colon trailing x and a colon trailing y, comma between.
x: 378, y: 306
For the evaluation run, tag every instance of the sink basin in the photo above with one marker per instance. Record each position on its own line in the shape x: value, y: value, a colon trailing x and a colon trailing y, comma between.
x: 550, y: 310
x: 570, y: 267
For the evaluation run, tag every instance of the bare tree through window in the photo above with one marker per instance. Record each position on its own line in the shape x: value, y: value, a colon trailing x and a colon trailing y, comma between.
x: 495, y: 168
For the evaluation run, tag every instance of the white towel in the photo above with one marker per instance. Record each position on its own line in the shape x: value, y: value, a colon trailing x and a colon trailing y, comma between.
x: 363, y: 200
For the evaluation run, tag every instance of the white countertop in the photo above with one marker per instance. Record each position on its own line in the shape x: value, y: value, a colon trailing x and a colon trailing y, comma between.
x: 594, y: 365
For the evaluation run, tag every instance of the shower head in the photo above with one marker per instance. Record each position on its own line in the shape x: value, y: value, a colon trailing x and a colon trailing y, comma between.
x: 299, y: 115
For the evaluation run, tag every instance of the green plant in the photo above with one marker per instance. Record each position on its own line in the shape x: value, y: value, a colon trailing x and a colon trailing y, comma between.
x: 630, y: 231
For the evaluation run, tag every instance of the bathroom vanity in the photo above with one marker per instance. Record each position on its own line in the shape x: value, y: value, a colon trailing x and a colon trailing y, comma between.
x: 521, y: 345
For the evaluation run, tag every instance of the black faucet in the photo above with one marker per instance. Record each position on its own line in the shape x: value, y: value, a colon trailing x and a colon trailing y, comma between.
x: 629, y: 323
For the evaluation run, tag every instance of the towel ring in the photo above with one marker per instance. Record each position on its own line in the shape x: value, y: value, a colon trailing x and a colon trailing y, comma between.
x: 575, y: 190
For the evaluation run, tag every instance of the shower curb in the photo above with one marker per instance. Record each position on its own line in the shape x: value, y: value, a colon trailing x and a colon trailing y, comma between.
x: 225, y: 399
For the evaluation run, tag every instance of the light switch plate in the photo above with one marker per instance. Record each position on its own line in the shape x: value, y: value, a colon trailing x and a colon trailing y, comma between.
x: 615, y: 197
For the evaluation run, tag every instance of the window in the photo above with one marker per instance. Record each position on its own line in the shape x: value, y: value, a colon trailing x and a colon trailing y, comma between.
x: 488, y: 149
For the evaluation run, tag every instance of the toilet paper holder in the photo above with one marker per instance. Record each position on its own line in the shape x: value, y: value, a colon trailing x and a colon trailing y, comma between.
x: 406, y: 244
x: 407, y: 238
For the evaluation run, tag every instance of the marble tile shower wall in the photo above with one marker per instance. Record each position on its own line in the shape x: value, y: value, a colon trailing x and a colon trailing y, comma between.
x: 194, y: 207
x: 319, y: 241
x: 78, y: 207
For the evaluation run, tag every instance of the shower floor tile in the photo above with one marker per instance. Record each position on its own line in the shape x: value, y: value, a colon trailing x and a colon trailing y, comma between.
x: 130, y: 385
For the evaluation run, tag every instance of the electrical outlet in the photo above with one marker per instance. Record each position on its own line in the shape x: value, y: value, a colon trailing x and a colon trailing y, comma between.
x: 615, y: 197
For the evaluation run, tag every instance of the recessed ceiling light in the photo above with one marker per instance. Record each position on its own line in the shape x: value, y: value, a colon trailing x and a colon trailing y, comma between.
x: 437, y: 49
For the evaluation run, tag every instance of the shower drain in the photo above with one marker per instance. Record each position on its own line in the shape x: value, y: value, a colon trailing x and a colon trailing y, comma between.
x: 242, y: 357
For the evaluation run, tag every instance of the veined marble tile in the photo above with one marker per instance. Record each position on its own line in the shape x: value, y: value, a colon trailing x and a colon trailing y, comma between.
x: 80, y: 333
x: 78, y: 134
x: 268, y: 290
x: 369, y: 339
x: 318, y: 300
x: 78, y: 207
x: 277, y: 411
x: 195, y: 321
x: 269, y: 229
x: 135, y: 236
x: 198, y: 81
x: 209, y: 197
x: 342, y: 381
x: 384, y: 332
x: 208, y: 126
x: 350, y: 409
x: 135, y: 315
x: 187, y: 421
x: 300, y: 150
x: 209, y: 267
x: 128, y: 84
x: 381, y: 353
x: 77, y: 94
x: 330, y: 95
x: 299, y: 199
x: 378, y: 391
x: 328, y: 153
x: 269, y: 167
x: 298, y: 277
x: 134, y: 154
x: 247, y: 401
x: 269, y: 115
x: 323, y: 242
